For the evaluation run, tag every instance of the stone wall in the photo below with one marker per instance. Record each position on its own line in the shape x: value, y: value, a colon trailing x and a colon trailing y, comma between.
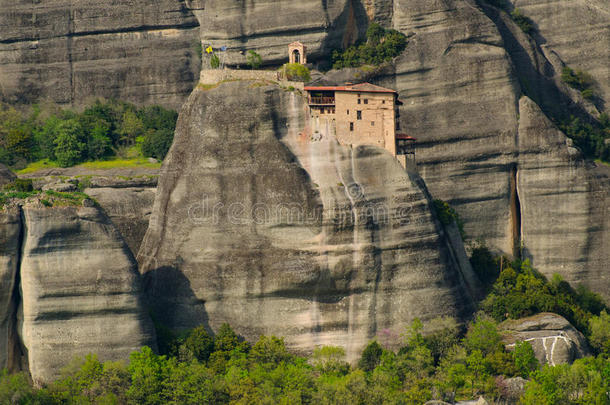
x: 215, y: 76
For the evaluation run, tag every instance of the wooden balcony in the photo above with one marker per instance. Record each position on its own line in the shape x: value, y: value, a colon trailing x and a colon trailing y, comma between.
x: 313, y: 100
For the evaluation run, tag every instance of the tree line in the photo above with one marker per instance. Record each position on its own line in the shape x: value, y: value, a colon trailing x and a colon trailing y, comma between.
x: 102, y: 130
x: 437, y: 360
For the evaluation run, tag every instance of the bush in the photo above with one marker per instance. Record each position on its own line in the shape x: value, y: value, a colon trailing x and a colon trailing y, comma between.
x: 296, y: 72
x: 600, y: 333
x: 524, y: 358
x: 525, y: 23
x: 254, y: 60
x: 447, y: 215
x: 156, y: 143
x: 214, y: 61
x: 370, y: 356
x: 521, y: 291
x: 20, y: 185
x: 381, y: 46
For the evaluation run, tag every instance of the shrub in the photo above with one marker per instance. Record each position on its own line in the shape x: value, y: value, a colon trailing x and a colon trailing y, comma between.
x: 296, y: 72
x: 381, y: 46
x: 446, y: 214
x: 524, y: 358
x: 254, y: 59
x: 600, y: 333
x: 370, y: 356
x: 214, y: 61
x: 524, y: 22
x: 156, y: 143
x: 20, y: 185
x: 576, y: 78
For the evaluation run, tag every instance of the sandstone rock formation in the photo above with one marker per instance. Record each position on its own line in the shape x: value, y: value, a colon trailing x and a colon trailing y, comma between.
x: 268, y: 26
x: 564, y: 203
x: 69, y: 287
x: 125, y: 195
x: 461, y: 77
x: 6, y: 175
x: 10, y: 245
x: 257, y: 225
x: 128, y: 208
x: 576, y: 33
x: 80, y: 291
x: 553, y: 338
x: 70, y: 51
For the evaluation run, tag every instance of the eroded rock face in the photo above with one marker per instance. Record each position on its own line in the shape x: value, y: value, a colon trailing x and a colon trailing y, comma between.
x: 578, y: 33
x: 553, y: 338
x: 256, y: 225
x: 268, y: 26
x: 129, y: 209
x: 70, y: 51
x: 6, y: 175
x: 564, y: 204
x: 80, y: 291
x: 10, y: 233
x: 509, y: 180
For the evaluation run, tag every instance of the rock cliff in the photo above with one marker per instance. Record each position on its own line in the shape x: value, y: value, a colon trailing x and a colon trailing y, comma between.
x: 60, y: 295
x: 268, y: 26
x: 69, y: 51
x: 257, y: 225
x: 462, y: 78
x: 10, y: 238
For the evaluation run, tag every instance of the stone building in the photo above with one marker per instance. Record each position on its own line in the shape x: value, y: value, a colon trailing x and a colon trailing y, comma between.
x: 297, y: 53
x: 359, y: 114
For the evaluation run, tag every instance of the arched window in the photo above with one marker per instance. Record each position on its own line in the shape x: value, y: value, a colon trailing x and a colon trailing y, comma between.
x: 296, y: 56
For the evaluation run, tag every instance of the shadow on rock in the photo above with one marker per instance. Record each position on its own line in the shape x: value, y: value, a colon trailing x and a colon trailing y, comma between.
x: 172, y: 300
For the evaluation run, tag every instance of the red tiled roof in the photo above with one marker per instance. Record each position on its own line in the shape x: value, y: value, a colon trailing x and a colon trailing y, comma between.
x: 362, y: 87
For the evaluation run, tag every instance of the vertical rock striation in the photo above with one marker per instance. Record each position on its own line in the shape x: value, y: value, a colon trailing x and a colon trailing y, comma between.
x: 80, y: 291
x: 256, y: 225
x: 268, y: 26
x: 70, y: 51
x: 565, y: 203
x: 10, y: 245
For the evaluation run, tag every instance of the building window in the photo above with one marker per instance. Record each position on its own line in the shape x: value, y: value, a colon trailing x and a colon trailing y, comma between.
x: 382, y: 101
x: 358, y: 115
x: 351, y: 126
x: 372, y: 123
x: 347, y: 112
x: 366, y: 101
x: 359, y: 101
x: 332, y: 110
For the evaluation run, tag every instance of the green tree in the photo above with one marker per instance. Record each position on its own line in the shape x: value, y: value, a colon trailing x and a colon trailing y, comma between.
x: 483, y: 335
x: 330, y: 360
x: 370, y: 356
x: 131, y: 127
x: 198, y: 345
x: 149, y: 374
x: 157, y: 143
x: 254, y: 59
x: 524, y: 358
x: 600, y: 333
x: 269, y: 351
x: 478, y: 367
x: 69, y: 143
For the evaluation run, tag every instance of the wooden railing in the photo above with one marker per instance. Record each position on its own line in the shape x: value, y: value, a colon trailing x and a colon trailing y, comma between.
x: 322, y: 100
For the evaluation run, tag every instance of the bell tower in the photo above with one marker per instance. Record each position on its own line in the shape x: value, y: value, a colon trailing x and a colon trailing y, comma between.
x: 297, y: 53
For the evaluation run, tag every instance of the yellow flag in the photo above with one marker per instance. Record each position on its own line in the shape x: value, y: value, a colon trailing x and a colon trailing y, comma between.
x: 209, y: 49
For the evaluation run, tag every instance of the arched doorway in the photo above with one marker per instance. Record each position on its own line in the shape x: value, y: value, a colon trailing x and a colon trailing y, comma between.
x: 296, y: 56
